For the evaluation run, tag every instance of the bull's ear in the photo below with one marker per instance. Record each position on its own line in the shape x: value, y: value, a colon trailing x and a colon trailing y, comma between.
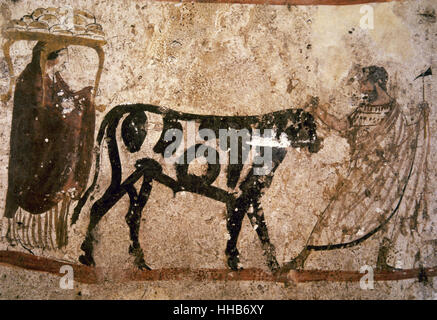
x: 162, y: 144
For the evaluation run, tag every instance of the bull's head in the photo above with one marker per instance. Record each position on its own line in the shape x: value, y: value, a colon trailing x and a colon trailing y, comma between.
x: 301, y: 131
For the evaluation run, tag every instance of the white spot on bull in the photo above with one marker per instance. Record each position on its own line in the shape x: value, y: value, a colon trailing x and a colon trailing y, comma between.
x: 283, y: 141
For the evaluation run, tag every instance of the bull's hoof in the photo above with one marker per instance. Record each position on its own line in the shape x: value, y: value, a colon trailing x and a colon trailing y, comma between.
x: 139, y: 261
x: 142, y: 265
x: 87, y: 260
x: 273, y: 265
x: 234, y: 263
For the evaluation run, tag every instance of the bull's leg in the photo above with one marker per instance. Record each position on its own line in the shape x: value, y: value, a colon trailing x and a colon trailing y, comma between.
x: 257, y: 220
x: 133, y: 219
x: 236, y: 212
x: 144, y: 168
x: 98, y: 210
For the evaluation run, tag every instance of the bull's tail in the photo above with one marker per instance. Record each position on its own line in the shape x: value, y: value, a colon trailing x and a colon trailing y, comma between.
x: 111, y: 118
x: 87, y: 193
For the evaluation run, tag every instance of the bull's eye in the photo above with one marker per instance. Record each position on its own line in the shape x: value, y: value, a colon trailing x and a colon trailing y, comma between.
x: 134, y: 131
x: 303, y: 135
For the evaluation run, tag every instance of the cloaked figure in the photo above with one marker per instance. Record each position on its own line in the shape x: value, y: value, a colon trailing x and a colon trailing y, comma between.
x: 386, y: 176
x: 51, y: 138
x: 52, y: 128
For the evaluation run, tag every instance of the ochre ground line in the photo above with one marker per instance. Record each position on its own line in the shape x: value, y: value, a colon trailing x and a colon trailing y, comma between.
x: 284, y: 2
x: 90, y: 275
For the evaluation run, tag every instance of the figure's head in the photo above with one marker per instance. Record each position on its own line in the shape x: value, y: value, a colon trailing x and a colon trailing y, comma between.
x: 373, y: 77
x: 55, y: 55
x: 52, y: 54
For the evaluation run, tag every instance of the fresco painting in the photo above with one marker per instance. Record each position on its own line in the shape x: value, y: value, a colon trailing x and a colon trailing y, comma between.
x: 282, y: 164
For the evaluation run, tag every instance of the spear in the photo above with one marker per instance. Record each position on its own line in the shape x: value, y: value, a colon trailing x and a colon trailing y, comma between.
x: 428, y: 72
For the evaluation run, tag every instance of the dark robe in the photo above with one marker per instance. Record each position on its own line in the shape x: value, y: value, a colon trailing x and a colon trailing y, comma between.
x: 51, y: 142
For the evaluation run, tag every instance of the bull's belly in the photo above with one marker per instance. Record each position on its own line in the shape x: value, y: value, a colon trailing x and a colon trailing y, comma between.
x: 198, y: 167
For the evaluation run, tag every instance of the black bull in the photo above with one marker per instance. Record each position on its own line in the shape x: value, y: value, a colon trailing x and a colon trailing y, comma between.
x: 298, y: 126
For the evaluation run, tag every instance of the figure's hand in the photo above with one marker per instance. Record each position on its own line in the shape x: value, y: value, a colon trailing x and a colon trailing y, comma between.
x: 320, y: 111
x: 312, y: 104
x: 324, y: 108
x: 101, y: 107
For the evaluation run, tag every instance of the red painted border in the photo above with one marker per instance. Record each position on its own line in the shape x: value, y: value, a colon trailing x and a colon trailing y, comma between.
x: 85, y: 274
x: 284, y: 2
x: 27, y: 261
